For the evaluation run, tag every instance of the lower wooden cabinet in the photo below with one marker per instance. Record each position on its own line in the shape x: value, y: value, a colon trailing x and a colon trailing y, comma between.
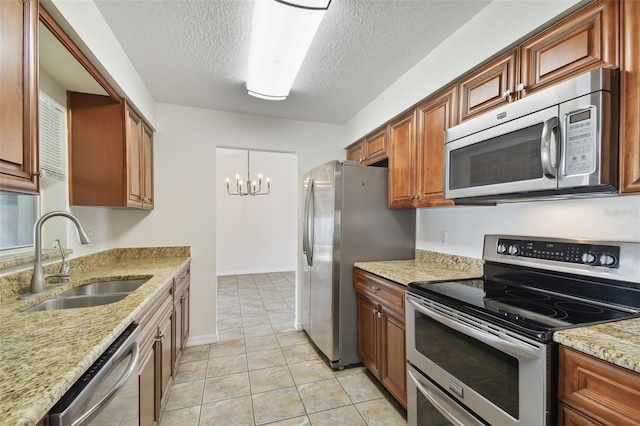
x: 163, y: 326
x: 381, y: 331
x: 595, y: 392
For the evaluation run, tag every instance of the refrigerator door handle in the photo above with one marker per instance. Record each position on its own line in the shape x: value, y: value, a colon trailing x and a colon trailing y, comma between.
x: 307, y: 223
x: 312, y: 214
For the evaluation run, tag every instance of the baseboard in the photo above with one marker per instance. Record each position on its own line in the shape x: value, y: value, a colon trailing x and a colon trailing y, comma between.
x: 202, y: 340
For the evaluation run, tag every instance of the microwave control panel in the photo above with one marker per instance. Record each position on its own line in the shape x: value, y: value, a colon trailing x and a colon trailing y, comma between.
x: 585, y: 254
x: 580, y: 142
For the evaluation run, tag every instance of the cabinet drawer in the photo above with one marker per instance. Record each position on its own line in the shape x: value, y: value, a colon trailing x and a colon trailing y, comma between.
x: 607, y: 393
x: 389, y: 294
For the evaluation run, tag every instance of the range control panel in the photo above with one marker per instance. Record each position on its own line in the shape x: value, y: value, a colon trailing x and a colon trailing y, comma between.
x: 585, y: 254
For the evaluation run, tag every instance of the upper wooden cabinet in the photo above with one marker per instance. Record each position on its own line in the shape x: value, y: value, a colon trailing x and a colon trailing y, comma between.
x: 489, y: 87
x: 371, y: 149
x: 19, y: 96
x: 585, y: 40
x: 110, y: 154
x: 403, y: 163
x: 630, y: 98
x: 416, y: 153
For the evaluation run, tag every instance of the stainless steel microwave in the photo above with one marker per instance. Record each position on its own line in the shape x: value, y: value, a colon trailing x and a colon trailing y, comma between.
x: 559, y: 142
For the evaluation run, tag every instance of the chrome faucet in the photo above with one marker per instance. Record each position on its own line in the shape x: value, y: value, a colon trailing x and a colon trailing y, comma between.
x: 38, y: 278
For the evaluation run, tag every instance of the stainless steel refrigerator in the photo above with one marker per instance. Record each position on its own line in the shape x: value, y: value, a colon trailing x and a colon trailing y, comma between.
x: 346, y: 219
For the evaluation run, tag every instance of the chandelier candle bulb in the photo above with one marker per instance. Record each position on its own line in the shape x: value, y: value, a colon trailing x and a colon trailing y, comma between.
x: 253, y: 188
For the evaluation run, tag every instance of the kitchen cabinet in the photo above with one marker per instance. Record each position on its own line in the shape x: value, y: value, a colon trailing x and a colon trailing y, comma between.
x: 181, y: 314
x: 583, y: 41
x: 630, y: 99
x: 416, y: 154
x: 381, y: 331
x: 595, y: 392
x: 110, y: 152
x: 19, y: 96
x: 370, y: 150
x: 402, y: 161
x: 156, y: 364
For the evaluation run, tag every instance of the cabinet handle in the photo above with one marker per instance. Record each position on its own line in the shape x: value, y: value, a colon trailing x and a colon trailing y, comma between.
x: 506, y: 93
x: 374, y: 288
x: 379, y: 314
x: 411, y: 197
x: 521, y: 87
x: 160, y: 337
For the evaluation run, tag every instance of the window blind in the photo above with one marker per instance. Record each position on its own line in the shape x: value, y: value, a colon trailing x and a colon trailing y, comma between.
x: 52, y: 134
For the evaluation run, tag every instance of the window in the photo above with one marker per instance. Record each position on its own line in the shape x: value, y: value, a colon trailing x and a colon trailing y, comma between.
x: 18, y: 213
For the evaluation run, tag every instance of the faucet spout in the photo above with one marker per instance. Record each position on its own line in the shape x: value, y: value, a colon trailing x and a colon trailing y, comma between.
x: 38, y: 278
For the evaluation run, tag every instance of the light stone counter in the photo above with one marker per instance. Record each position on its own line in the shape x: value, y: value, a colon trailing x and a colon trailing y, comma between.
x: 615, y: 342
x: 428, y: 266
x: 43, y: 353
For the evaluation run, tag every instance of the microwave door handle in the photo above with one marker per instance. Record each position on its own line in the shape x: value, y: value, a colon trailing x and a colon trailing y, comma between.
x: 549, y: 148
x: 439, y: 402
x: 512, y: 348
x: 95, y: 410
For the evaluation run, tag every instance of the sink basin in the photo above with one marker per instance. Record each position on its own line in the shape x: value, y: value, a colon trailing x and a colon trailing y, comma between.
x: 77, y: 302
x: 104, y: 287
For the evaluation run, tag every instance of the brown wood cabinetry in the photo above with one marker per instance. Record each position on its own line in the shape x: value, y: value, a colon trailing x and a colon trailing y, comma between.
x: 585, y: 40
x: 416, y: 153
x: 370, y: 150
x: 630, y: 97
x: 381, y: 331
x: 156, y: 363
x: 19, y: 96
x: 181, y: 309
x: 110, y: 151
x: 594, y: 392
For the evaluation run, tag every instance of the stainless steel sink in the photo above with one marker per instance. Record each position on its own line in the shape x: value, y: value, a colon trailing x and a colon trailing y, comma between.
x: 104, y: 287
x: 77, y: 302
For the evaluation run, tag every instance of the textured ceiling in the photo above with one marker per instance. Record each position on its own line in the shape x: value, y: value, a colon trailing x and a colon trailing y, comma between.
x: 194, y: 53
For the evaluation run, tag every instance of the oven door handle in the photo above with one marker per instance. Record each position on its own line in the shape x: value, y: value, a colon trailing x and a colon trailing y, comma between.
x: 131, y: 367
x: 439, y: 401
x: 513, y: 348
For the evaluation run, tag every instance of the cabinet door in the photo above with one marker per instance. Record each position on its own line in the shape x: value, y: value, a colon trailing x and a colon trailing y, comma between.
x: 434, y: 117
x: 355, y: 152
x: 393, y: 365
x: 186, y: 305
x: 630, y: 102
x: 133, y: 143
x: 368, y: 341
x: 583, y: 41
x: 402, y: 161
x: 487, y: 88
x: 376, y: 146
x: 147, y: 166
x: 147, y: 386
x: 18, y: 96
x: 569, y: 417
x: 166, y: 351
x: 178, y: 316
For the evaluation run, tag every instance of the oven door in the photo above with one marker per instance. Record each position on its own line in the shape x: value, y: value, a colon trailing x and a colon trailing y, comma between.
x: 432, y: 406
x: 518, y: 156
x: 501, y: 376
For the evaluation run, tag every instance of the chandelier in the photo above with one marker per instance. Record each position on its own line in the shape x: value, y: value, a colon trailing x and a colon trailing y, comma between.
x: 250, y: 187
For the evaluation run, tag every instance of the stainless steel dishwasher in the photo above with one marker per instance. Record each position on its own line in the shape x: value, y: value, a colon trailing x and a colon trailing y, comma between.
x: 107, y: 393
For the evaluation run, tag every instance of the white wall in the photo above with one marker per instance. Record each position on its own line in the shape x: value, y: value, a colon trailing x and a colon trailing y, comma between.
x: 609, y: 218
x: 185, y: 187
x: 256, y: 234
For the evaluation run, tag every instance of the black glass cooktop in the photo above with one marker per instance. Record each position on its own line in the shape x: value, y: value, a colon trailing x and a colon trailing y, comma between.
x: 536, y: 312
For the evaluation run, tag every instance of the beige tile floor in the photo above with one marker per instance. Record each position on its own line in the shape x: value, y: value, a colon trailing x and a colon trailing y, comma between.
x: 264, y: 372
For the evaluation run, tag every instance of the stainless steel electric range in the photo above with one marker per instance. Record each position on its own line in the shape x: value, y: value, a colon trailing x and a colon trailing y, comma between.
x: 480, y: 351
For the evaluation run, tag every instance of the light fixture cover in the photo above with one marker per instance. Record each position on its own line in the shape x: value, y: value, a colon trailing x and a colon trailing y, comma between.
x: 281, y: 34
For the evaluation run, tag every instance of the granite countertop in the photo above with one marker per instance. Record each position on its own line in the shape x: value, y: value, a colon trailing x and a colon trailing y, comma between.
x: 428, y: 266
x: 615, y: 342
x: 43, y: 353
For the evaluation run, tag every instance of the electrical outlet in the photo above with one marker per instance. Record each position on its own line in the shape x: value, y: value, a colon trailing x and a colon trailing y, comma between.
x: 90, y: 236
x: 444, y: 238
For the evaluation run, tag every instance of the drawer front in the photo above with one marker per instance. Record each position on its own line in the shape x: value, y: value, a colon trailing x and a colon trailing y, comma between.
x: 389, y: 294
x: 603, y: 391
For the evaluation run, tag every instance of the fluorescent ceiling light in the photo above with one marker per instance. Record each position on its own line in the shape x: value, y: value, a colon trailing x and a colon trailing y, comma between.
x: 281, y: 33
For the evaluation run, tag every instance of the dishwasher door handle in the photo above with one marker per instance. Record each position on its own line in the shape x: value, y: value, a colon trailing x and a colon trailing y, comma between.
x: 95, y: 410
